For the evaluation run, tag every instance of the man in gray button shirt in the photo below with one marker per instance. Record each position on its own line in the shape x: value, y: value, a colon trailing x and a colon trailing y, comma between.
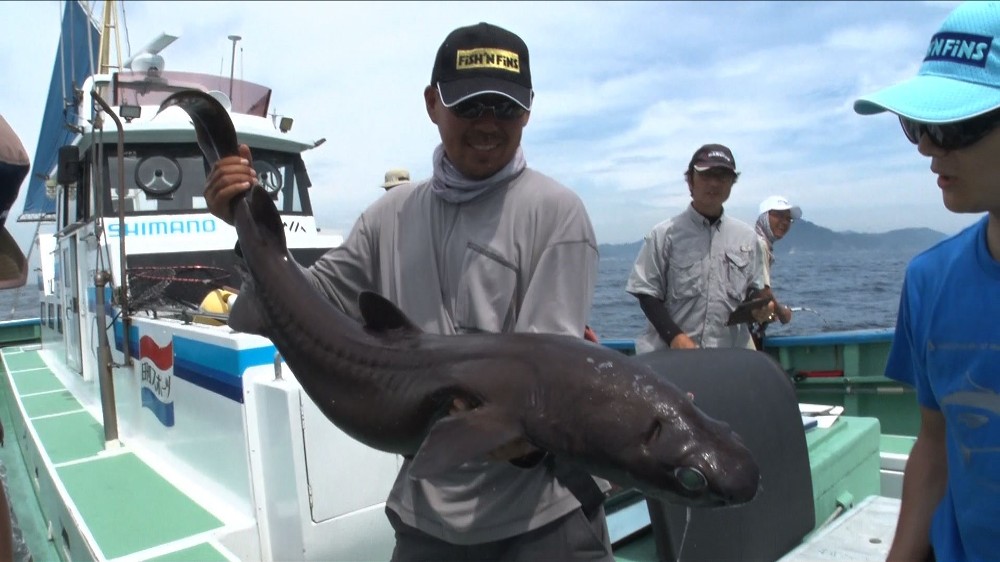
x: 694, y: 269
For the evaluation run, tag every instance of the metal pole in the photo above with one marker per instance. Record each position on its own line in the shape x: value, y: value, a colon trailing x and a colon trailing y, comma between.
x: 123, y: 284
x: 232, y: 64
x: 108, y: 409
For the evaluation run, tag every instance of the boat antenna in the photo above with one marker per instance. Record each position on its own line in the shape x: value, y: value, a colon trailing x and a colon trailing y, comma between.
x: 232, y: 63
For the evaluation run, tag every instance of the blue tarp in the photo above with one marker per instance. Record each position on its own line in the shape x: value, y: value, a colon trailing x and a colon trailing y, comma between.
x: 75, y: 61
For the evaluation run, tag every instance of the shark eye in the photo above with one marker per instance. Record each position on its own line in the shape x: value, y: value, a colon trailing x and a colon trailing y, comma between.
x: 690, y: 478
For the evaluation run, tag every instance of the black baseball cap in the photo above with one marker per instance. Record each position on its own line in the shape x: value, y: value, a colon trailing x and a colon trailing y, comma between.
x: 713, y: 156
x: 482, y: 59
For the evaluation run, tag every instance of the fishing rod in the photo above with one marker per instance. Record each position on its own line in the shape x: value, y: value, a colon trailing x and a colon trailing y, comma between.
x: 805, y: 309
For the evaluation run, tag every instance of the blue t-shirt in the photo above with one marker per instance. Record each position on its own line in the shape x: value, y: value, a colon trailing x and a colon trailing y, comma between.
x: 947, y: 345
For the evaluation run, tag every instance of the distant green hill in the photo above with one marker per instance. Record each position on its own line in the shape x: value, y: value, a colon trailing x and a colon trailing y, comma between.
x: 806, y: 237
x: 809, y: 237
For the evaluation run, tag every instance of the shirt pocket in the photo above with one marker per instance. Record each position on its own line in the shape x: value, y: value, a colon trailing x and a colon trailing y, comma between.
x: 486, y: 292
x: 684, y: 276
x: 737, y: 270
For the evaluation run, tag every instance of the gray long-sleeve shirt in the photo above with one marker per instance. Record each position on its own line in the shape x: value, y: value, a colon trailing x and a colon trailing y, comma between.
x: 700, y: 271
x: 520, y: 258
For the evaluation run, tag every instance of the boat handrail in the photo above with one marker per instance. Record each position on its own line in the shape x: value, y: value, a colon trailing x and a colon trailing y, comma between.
x: 20, y: 322
x: 872, y: 335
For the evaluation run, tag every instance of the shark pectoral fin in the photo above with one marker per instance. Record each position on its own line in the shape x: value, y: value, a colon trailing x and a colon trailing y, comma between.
x: 246, y: 314
x: 461, y: 437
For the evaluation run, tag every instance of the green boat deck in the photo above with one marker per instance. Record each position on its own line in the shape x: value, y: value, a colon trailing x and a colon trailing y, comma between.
x: 126, y: 507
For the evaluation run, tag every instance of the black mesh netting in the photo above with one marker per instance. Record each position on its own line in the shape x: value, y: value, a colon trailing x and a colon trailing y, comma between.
x: 181, y: 285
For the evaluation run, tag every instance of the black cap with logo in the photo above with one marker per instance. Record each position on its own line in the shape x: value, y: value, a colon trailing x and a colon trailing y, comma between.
x: 713, y: 156
x: 482, y: 59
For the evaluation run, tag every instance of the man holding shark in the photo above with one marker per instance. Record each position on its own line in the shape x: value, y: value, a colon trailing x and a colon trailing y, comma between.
x: 485, y: 245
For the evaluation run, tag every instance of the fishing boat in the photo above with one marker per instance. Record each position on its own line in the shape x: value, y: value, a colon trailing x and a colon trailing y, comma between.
x: 144, y: 428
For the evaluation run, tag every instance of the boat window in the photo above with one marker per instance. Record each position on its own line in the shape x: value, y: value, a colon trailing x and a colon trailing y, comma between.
x: 74, y: 204
x: 276, y: 172
x: 162, y: 178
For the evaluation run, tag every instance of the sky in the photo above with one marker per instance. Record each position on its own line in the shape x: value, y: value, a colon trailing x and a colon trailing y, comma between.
x: 625, y: 93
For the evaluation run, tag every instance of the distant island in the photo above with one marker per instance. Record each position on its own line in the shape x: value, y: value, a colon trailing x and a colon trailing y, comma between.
x: 809, y: 237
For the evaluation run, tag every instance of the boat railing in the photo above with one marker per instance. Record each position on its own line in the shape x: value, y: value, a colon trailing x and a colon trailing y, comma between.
x: 844, y: 368
x: 151, y: 88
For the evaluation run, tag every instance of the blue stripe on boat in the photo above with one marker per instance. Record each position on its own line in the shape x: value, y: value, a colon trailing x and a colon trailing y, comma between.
x: 213, y: 367
x: 217, y: 368
x: 163, y: 411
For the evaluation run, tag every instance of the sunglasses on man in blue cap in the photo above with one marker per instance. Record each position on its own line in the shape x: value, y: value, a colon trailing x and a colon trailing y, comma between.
x: 952, y: 136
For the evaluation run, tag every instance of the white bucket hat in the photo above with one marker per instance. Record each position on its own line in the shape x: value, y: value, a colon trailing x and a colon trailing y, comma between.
x: 780, y: 203
x: 396, y: 177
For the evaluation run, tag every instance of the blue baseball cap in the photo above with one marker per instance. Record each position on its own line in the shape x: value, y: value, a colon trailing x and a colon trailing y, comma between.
x: 960, y: 76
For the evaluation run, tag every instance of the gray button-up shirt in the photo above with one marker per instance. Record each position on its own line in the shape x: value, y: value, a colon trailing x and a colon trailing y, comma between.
x: 700, y: 271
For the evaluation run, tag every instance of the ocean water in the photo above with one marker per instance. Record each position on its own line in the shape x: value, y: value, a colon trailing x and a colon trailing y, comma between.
x: 843, y: 290
x: 19, y: 303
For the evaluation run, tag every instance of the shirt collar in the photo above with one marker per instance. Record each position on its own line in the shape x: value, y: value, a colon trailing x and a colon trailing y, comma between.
x: 699, y: 219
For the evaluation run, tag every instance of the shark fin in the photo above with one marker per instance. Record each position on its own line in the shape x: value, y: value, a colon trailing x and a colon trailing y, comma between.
x: 246, y: 314
x: 247, y: 317
x: 381, y: 315
x: 462, y: 437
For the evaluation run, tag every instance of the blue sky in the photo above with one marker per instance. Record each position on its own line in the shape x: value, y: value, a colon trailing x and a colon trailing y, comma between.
x: 625, y: 92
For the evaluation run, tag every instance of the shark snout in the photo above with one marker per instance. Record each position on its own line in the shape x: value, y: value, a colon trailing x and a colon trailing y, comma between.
x: 744, y: 488
x: 718, y: 470
x: 737, y: 477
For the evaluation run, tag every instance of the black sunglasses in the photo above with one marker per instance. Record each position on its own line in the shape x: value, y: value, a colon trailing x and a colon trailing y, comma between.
x: 504, y: 110
x: 952, y: 136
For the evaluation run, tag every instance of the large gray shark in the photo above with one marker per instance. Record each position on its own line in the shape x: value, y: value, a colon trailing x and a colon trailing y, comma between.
x: 391, y: 386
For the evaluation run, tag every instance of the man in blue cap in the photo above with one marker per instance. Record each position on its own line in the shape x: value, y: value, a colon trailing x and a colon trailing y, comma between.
x: 947, y: 341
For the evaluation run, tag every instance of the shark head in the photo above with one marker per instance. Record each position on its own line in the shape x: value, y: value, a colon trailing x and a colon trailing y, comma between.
x: 693, y: 459
x: 651, y: 436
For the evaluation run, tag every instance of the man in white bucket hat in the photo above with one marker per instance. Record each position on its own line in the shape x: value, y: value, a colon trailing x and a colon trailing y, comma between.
x: 775, y: 219
x: 947, y: 341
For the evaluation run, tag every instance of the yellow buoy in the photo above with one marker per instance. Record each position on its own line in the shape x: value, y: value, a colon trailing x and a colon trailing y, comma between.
x: 215, y: 302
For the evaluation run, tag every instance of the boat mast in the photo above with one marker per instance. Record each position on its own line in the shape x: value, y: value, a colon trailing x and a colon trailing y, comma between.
x: 109, y: 28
